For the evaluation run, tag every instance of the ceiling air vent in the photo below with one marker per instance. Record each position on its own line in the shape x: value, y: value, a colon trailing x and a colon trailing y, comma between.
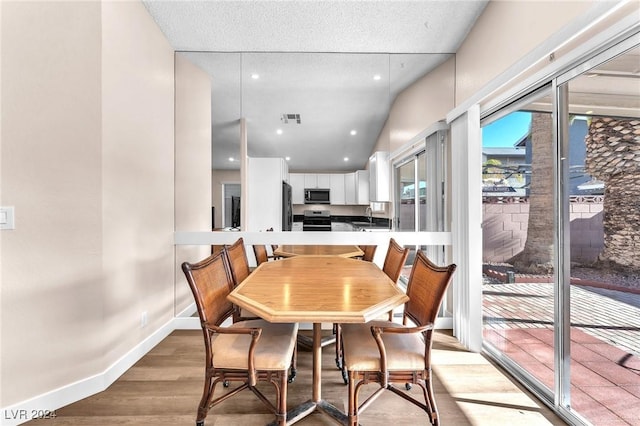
x: 286, y: 117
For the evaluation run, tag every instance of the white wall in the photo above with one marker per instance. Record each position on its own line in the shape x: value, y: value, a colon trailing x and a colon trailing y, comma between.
x: 88, y: 163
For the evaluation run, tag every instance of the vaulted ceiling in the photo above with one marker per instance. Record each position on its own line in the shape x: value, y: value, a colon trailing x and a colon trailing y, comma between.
x: 337, y: 64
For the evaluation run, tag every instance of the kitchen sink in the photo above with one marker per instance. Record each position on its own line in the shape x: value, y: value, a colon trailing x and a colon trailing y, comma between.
x: 367, y: 226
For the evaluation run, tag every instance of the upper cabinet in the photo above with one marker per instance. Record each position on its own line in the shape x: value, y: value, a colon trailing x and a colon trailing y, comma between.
x: 337, y: 188
x: 379, y: 177
x: 297, y: 187
x: 357, y: 187
x: 317, y: 180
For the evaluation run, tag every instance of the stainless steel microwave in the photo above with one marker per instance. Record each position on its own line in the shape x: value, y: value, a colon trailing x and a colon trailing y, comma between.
x: 316, y: 196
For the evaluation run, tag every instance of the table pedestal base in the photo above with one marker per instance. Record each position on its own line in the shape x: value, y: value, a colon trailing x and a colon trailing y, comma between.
x: 316, y: 403
x: 305, y: 409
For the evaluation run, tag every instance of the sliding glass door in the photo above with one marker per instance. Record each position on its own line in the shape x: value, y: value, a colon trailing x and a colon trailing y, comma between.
x: 419, y: 193
x: 561, y: 237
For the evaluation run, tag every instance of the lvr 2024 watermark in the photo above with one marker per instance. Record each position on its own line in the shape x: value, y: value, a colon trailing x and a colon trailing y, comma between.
x: 29, y: 414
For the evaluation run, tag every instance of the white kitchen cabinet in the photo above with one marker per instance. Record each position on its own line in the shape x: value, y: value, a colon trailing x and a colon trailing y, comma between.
x: 356, y: 186
x: 324, y: 180
x: 336, y: 186
x: 310, y: 180
x: 350, y: 196
x: 297, y: 187
x: 379, y: 177
x: 317, y: 180
x: 362, y: 187
x: 264, y: 193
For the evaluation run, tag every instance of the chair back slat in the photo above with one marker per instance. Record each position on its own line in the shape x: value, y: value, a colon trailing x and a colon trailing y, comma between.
x: 395, y: 260
x: 369, y: 252
x: 210, y: 282
x: 238, y: 261
x: 261, y: 254
x: 427, y: 285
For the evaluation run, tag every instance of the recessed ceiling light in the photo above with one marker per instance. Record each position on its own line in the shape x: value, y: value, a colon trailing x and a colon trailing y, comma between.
x: 346, y: 158
x: 353, y: 132
x: 377, y: 77
x: 230, y: 158
x: 279, y: 131
x: 287, y: 158
x: 589, y: 112
x: 255, y: 76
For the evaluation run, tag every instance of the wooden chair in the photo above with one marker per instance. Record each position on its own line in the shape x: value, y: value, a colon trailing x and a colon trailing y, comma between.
x: 240, y: 270
x: 247, y: 352
x: 260, y: 252
x: 393, y: 263
x: 369, y: 252
x: 394, y: 260
x: 238, y: 260
x: 398, y: 353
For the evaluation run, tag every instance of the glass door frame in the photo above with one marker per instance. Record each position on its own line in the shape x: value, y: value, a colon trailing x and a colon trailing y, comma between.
x: 560, y: 400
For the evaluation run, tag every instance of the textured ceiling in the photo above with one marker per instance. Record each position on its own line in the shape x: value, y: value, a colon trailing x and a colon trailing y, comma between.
x: 316, y: 59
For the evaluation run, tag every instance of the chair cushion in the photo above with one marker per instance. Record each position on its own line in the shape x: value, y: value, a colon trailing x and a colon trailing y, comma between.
x: 273, y: 350
x: 404, y: 351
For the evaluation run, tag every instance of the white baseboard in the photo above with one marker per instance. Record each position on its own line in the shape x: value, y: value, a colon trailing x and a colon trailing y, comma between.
x: 44, y: 405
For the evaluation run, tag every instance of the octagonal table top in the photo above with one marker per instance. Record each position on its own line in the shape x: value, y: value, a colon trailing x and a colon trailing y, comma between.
x: 318, y: 289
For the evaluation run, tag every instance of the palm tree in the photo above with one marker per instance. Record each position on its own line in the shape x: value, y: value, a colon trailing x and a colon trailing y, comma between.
x: 537, y: 255
x: 613, y: 156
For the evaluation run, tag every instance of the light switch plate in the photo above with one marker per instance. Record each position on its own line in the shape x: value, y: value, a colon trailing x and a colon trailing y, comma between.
x: 7, y: 218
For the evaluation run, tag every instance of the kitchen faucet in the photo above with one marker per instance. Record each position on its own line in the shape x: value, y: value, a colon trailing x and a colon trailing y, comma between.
x: 369, y: 214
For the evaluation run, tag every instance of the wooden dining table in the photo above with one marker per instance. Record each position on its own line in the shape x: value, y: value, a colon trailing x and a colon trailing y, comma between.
x: 290, y: 250
x: 317, y: 289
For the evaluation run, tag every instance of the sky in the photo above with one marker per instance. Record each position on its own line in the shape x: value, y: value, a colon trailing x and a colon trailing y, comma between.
x: 506, y: 131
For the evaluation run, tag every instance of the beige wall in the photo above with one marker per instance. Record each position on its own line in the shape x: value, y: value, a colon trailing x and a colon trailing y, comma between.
x: 505, y: 32
x: 137, y: 178
x: 51, y: 274
x: 422, y: 104
x: 88, y: 164
x: 193, y: 166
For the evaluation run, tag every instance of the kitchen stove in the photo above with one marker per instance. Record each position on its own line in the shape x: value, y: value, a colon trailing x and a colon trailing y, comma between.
x: 316, y: 220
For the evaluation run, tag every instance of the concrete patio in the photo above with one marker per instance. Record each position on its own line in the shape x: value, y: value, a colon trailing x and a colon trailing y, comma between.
x: 605, y: 343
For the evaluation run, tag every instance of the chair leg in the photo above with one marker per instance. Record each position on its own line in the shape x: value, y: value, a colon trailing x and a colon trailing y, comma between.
x: 205, y: 401
x: 352, y: 412
x: 338, y: 332
x: 294, y: 365
x: 281, y: 415
x: 431, y: 402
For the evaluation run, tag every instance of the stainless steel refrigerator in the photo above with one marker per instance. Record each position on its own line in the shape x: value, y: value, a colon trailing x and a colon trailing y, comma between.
x: 287, y: 207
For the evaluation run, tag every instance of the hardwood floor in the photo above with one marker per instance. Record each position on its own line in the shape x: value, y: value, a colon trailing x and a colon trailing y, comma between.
x: 165, y: 386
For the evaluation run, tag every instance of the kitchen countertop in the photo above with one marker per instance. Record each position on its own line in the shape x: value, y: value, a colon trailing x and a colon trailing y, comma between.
x: 359, y: 223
